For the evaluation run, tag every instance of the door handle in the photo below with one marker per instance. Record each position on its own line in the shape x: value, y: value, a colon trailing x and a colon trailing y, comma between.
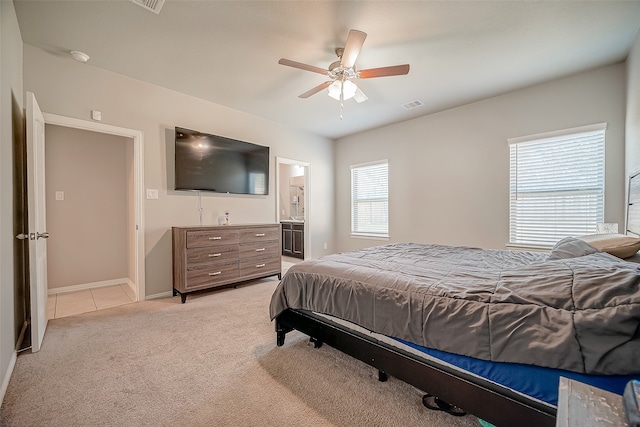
x: 44, y: 235
x: 22, y: 236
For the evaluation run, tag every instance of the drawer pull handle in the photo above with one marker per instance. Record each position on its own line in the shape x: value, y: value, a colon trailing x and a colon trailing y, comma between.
x: 215, y: 274
x: 260, y: 249
x: 212, y: 255
x: 215, y: 238
x: 260, y: 234
x: 260, y: 265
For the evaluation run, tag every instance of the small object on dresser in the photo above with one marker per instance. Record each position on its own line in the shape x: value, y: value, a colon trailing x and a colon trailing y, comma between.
x: 226, y: 217
x: 631, y: 402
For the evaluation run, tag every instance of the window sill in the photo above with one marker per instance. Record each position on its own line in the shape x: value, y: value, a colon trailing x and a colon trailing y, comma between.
x: 369, y: 236
x: 534, y: 248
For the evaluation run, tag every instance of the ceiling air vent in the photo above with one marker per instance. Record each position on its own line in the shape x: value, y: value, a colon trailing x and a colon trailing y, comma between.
x: 413, y: 104
x: 152, y: 5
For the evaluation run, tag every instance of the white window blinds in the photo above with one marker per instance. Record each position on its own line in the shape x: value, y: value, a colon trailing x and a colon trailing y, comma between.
x: 370, y: 199
x: 556, y: 185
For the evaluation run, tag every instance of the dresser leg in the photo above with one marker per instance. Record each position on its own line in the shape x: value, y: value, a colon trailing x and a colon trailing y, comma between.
x: 183, y: 297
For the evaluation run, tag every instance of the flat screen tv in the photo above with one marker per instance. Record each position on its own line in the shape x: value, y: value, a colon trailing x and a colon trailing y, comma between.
x: 205, y: 162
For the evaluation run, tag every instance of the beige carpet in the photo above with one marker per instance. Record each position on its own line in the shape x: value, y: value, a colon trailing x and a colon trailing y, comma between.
x: 209, y: 362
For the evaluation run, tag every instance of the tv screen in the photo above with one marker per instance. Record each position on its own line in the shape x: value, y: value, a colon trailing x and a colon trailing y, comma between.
x: 224, y: 165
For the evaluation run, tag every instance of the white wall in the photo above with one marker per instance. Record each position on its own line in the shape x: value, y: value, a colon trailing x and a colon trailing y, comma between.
x: 11, y: 107
x: 68, y: 88
x: 449, y: 171
x: 632, y: 134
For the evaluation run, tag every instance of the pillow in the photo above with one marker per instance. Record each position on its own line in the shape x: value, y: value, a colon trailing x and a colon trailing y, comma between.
x: 618, y: 245
x: 570, y: 247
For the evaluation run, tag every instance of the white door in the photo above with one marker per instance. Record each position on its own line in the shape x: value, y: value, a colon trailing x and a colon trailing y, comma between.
x: 37, y: 221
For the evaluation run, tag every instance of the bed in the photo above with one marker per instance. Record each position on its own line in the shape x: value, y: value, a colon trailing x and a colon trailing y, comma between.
x: 460, y: 323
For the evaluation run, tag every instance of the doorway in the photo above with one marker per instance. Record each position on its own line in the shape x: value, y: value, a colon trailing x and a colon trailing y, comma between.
x: 134, y: 240
x: 292, y: 206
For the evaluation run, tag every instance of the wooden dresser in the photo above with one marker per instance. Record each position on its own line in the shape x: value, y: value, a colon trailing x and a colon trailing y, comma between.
x: 209, y: 257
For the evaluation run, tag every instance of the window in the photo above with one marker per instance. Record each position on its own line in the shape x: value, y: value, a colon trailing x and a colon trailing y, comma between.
x: 556, y: 185
x: 370, y: 199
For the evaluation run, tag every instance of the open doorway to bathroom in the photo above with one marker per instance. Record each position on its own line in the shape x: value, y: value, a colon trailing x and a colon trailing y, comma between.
x: 292, y: 204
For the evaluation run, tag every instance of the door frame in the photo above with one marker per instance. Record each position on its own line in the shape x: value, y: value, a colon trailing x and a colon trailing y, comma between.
x: 307, y: 181
x: 138, y: 190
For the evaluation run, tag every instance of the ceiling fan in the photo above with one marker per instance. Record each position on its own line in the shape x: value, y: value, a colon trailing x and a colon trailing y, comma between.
x: 341, y: 73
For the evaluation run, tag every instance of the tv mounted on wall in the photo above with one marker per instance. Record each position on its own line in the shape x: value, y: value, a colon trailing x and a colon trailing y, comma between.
x: 205, y: 162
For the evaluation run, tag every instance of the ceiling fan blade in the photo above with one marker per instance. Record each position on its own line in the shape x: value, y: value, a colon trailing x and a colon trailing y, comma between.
x: 302, y: 66
x: 360, y: 96
x: 315, y: 89
x: 395, y: 70
x: 355, y: 40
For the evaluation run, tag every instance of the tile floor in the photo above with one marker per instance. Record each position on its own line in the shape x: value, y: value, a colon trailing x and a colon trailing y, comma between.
x: 71, y: 303
x: 288, y: 262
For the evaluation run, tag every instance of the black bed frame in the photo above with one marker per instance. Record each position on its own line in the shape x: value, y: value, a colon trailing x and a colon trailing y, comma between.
x: 489, y: 401
x: 486, y: 400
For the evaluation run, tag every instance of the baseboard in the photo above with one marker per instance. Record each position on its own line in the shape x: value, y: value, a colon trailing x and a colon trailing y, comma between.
x: 131, y: 285
x: 160, y: 295
x: 92, y: 285
x: 7, y: 375
x: 133, y: 288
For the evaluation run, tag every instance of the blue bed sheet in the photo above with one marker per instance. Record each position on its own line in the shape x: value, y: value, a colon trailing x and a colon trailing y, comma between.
x: 535, y: 381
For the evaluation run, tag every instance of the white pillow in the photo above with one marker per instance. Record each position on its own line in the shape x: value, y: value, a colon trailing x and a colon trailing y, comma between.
x: 619, y: 245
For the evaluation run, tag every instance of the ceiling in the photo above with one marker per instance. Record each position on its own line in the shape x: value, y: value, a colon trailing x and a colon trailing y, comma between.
x: 227, y: 52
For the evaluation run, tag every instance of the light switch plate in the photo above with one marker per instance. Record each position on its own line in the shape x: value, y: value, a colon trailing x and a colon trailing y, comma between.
x: 59, y: 195
x: 152, y: 193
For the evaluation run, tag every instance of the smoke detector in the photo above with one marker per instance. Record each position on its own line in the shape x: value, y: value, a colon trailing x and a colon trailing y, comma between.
x: 79, y: 56
x: 152, y: 5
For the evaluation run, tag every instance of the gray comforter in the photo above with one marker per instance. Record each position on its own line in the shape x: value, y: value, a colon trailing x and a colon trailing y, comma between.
x: 576, y: 309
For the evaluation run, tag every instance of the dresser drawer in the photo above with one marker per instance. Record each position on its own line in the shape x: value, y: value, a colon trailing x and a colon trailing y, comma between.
x: 259, y: 234
x: 198, y: 239
x: 259, y: 250
x: 259, y: 266
x: 209, y: 254
x: 210, y: 275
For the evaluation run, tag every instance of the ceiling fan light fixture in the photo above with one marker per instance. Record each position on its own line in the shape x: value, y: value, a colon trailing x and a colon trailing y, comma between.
x: 348, y: 89
x: 334, y: 90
